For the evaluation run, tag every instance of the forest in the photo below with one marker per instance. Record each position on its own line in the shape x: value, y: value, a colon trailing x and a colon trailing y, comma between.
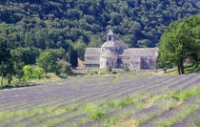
x: 58, y: 24
x: 61, y: 30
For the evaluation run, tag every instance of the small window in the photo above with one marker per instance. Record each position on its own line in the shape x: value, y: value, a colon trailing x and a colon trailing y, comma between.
x: 109, y: 38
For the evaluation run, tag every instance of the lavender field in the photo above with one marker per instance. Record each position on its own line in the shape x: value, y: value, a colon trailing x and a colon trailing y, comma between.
x: 105, y: 101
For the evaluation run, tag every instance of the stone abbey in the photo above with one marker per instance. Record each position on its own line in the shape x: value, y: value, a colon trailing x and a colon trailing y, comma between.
x: 117, y: 54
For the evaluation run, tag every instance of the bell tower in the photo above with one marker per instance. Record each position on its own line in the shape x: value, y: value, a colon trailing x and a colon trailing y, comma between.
x: 110, y: 35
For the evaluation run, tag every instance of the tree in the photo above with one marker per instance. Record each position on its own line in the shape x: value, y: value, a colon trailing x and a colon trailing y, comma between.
x: 57, y: 53
x: 26, y: 55
x: 194, y: 23
x: 23, y: 56
x: 5, y: 63
x: 179, y: 42
x: 4, y: 50
x: 46, y: 61
x: 18, y: 63
x: 72, y: 57
x: 79, y: 47
x: 6, y: 70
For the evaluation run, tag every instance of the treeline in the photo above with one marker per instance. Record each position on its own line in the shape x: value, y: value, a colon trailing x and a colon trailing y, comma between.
x: 54, y: 24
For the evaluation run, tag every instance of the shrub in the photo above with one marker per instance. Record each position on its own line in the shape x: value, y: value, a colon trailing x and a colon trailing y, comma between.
x: 63, y: 68
x: 28, y: 72
x: 96, y: 72
x: 114, y: 72
x: 32, y: 73
x: 109, y: 69
x: 37, y: 73
x: 126, y: 69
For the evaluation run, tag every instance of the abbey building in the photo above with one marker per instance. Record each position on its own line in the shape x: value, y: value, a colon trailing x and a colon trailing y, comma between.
x: 116, y: 54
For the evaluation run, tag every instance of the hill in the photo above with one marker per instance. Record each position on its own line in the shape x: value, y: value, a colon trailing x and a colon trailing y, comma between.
x: 53, y: 24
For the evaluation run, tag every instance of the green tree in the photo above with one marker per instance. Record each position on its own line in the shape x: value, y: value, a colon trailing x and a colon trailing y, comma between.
x: 46, y: 61
x: 6, y: 69
x: 4, y: 50
x: 57, y: 53
x: 18, y: 63
x: 179, y: 43
x: 79, y: 47
x: 5, y: 59
x: 73, y: 57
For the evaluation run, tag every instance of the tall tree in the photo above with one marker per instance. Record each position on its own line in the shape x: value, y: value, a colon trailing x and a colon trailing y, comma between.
x: 79, y: 47
x: 73, y: 57
x: 18, y: 63
x: 5, y: 63
x: 46, y: 61
x: 4, y: 50
x: 179, y: 42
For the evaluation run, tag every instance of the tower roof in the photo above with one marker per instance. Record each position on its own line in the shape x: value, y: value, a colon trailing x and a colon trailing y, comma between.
x: 110, y: 32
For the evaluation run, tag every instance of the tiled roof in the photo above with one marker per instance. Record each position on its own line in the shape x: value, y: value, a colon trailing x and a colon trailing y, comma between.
x: 92, y: 52
x: 147, y: 52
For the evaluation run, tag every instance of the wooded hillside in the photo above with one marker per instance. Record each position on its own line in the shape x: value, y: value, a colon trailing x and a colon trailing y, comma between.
x: 59, y: 23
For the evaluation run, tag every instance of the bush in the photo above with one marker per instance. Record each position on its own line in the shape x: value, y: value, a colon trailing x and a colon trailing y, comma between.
x: 37, y: 73
x: 126, y: 69
x: 109, y: 69
x: 114, y: 72
x: 96, y: 72
x: 63, y: 68
x: 32, y: 73
x: 28, y: 72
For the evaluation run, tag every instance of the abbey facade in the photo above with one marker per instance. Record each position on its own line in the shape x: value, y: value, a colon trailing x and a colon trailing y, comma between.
x: 116, y: 54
